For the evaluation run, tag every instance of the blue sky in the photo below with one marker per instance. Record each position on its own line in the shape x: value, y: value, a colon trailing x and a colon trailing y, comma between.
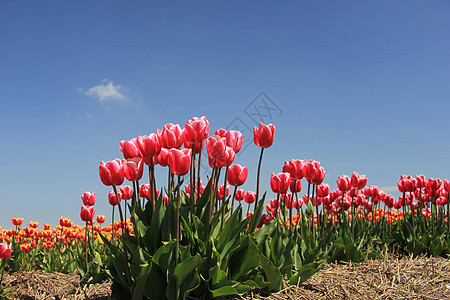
x: 359, y: 86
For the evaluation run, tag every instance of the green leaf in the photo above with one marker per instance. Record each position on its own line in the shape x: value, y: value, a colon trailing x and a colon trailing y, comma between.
x: 243, y: 259
x: 256, y: 218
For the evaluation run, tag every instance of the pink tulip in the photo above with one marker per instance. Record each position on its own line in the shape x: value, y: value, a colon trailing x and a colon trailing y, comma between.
x: 280, y: 182
x: 196, y: 130
x: 179, y: 161
x: 126, y: 192
x: 130, y: 149
x: 343, y: 183
x: 133, y: 168
x: 237, y: 175
x: 112, y: 197
x: 216, y: 146
x: 88, y: 198
x: 111, y: 172
x: 264, y: 135
x: 171, y: 136
x: 149, y: 146
x: 5, y: 251
x: 87, y: 213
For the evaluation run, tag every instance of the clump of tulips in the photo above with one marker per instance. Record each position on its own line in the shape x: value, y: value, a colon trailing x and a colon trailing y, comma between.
x: 203, y: 241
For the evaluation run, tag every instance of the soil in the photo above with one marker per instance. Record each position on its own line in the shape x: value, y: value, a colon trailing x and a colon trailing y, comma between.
x: 390, y: 278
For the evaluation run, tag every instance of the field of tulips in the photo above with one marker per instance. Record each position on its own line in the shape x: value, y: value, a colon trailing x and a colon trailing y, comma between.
x: 190, y: 240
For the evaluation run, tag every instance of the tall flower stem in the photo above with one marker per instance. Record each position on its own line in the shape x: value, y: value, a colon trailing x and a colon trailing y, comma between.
x: 112, y: 226
x: 353, y: 215
x: 448, y: 211
x: 224, y: 197
x: 86, y: 238
x: 257, y: 178
x: 232, y: 200
x: 178, y: 221
x: 278, y: 202
x: 198, y: 173
x: 211, y: 195
x: 123, y: 236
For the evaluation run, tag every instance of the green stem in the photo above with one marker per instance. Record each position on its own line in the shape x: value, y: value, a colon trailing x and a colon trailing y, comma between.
x: 257, y: 177
x: 178, y: 221
x: 224, y: 197
x: 232, y: 200
x: 123, y: 236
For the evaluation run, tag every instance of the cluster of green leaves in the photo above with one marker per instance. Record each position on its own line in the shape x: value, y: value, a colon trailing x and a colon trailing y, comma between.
x: 216, y: 257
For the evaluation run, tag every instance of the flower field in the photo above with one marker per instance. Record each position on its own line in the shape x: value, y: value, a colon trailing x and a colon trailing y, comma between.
x: 196, y: 241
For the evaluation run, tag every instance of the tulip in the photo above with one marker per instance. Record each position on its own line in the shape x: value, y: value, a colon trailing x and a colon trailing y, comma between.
x: 265, y: 218
x: 133, y: 168
x: 198, y: 147
x: 100, y: 219
x: 216, y: 146
x: 295, y: 185
x: 220, y: 191
x: 34, y: 224
x: 343, y: 183
x: 264, y: 135
x: 320, y: 175
x: 130, y: 149
x: 171, y: 136
x: 234, y: 140
x: 112, y: 199
x: 358, y: 181
x: 310, y: 169
x: 179, y: 161
x: 280, y: 182
x: 111, y: 172
x: 240, y: 195
x: 5, y: 251
x: 227, y: 159
x: 250, y: 197
x: 196, y: 130
x: 88, y: 198
x: 149, y: 146
x: 323, y: 190
x: 163, y: 157
x: 237, y: 175
x: 17, y: 221
x: 126, y: 192
x: 87, y: 213
x: 65, y: 222
x: 294, y: 168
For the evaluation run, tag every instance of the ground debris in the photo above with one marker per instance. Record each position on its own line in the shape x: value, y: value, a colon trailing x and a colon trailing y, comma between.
x: 389, y: 278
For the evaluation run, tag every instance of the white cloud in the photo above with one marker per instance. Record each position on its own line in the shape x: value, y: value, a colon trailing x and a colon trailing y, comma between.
x: 106, y: 91
x: 389, y: 189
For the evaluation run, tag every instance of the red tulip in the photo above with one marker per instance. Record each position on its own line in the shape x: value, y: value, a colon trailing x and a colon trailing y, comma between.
x: 88, y: 198
x: 180, y: 161
x: 294, y: 168
x: 171, y: 136
x: 421, y: 181
x: 216, y: 146
x: 295, y: 185
x: 196, y: 130
x: 220, y: 191
x: 280, y: 182
x: 234, y: 140
x: 130, y: 149
x: 226, y: 159
x: 5, y: 251
x: 126, y: 192
x: 162, y: 158
x: 323, y: 190
x: 240, y: 195
x: 446, y: 185
x: 111, y: 172
x: 87, y: 213
x: 250, y: 197
x: 17, y: 221
x: 100, y: 219
x: 65, y: 222
x: 264, y: 135
x: 237, y: 175
x: 133, y: 168
x: 320, y: 175
x: 149, y: 146
x: 343, y: 183
x: 358, y: 181
x: 265, y: 218
x: 112, y: 197
x: 34, y: 224
x: 434, y: 184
